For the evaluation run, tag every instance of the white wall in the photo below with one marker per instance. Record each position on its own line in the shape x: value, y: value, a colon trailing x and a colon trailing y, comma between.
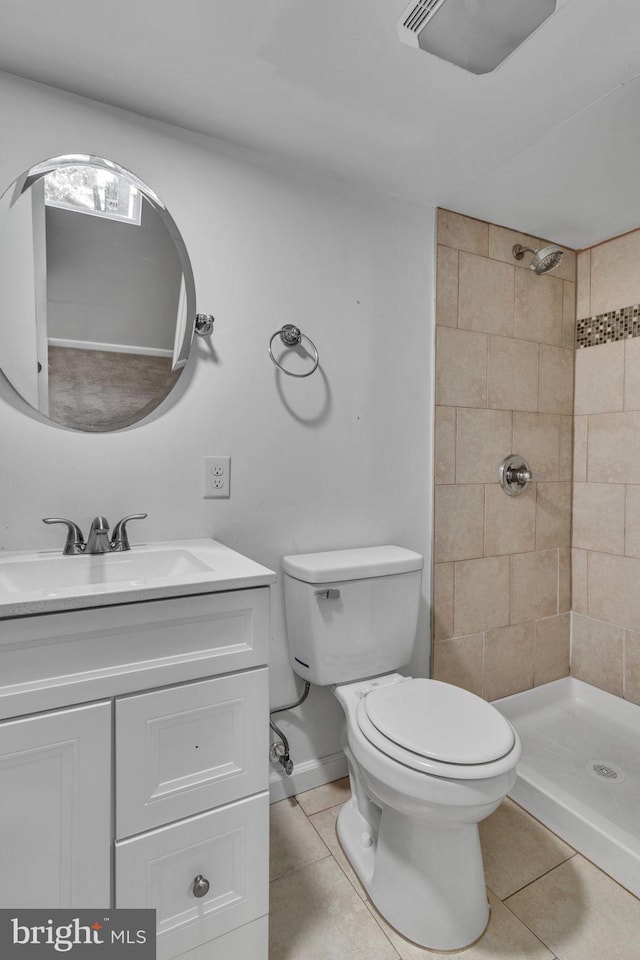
x: 112, y: 282
x: 342, y: 458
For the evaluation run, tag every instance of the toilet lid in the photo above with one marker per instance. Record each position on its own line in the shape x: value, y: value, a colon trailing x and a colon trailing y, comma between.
x: 439, y: 721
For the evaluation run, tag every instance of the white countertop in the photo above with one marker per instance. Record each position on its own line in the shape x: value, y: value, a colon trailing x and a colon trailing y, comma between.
x: 36, y: 582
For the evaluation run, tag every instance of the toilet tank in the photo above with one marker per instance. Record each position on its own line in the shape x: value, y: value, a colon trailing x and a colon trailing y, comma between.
x: 351, y: 614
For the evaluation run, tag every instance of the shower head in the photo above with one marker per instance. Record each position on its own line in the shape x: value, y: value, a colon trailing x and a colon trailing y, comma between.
x: 545, y: 259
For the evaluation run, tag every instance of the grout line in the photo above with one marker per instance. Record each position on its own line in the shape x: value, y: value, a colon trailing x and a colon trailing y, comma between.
x: 302, y: 866
x: 530, y: 929
x: 544, y: 874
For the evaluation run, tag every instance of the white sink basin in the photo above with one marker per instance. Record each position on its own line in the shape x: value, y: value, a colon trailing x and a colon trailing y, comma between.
x: 35, y: 582
x: 52, y: 573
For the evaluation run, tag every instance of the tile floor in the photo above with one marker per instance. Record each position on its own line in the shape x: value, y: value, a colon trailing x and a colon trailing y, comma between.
x: 547, y: 901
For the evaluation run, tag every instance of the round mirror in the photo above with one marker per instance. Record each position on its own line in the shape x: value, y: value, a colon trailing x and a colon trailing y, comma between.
x: 97, y: 300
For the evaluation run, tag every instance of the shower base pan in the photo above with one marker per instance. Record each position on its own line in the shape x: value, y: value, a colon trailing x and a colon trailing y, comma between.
x: 580, y: 770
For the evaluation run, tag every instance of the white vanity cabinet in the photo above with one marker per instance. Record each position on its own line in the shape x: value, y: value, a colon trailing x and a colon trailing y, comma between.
x: 55, y: 801
x: 191, y: 772
x: 134, y: 763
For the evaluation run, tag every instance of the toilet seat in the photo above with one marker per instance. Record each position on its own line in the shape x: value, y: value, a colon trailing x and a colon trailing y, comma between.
x: 437, y: 728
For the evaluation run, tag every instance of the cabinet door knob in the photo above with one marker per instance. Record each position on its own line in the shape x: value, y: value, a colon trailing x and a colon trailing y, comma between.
x: 200, y: 886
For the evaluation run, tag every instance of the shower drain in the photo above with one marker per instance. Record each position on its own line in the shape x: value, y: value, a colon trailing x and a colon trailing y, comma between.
x: 605, y: 771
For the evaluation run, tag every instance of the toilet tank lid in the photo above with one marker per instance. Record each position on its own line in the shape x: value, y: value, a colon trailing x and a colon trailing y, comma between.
x: 356, y: 564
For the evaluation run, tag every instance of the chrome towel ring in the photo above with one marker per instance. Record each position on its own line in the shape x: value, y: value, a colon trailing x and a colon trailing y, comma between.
x: 291, y: 335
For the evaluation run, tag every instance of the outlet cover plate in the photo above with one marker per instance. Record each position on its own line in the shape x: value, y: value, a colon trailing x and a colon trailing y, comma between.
x: 216, y: 477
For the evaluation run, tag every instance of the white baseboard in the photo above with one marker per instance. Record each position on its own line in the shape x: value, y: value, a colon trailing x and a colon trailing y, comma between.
x: 306, y: 776
x: 108, y: 347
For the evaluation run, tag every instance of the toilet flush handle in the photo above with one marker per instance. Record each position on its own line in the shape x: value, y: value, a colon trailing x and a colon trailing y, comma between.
x: 331, y: 594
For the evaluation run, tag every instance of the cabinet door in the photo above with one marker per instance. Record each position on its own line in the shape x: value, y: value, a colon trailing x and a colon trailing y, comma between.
x: 55, y: 804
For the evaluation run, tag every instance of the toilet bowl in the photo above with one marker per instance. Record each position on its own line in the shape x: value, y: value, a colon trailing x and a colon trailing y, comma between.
x: 427, y: 760
x: 410, y: 829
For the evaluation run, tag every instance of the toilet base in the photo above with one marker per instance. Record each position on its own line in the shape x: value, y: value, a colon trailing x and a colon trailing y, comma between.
x: 425, y: 879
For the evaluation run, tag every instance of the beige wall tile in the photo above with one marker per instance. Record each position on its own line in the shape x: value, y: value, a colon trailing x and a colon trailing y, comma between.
x: 632, y: 522
x: 614, y: 448
x: 632, y: 374
x: 579, y: 560
x: 512, y: 374
x: 600, y: 378
x: 583, y: 285
x: 447, y: 287
x: 553, y: 516
x: 580, y: 425
x: 632, y: 666
x: 444, y: 470
x: 442, y: 601
x: 508, y: 660
x: 556, y: 380
x: 564, y: 580
x: 485, y: 295
x: 566, y: 448
x: 597, y: 653
x: 598, y: 517
x: 459, y: 662
x: 615, y: 278
x: 481, y: 595
x: 569, y: 315
x: 613, y: 595
x: 538, y: 307
x: 458, y: 522
x: 534, y: 585
x: 461, y: 368
x: 509, y: 522
x: 551, y: 649
x: 502, y: 241
x: 464, y: 233
x: 536, y: 437
x: 483, y: 441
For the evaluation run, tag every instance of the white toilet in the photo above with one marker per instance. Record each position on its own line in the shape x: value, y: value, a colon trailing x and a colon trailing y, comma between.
x: 427, y: 760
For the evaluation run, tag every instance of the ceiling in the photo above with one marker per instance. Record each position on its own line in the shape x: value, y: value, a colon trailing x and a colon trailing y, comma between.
x: 547, y: 143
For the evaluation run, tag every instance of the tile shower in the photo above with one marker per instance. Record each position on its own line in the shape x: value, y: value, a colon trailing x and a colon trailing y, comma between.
x: 544, y: 586
x: 504, y: 383
x: 510, y: 574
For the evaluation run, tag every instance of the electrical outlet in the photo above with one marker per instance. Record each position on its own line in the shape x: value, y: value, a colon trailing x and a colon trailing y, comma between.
x: 216, y: 473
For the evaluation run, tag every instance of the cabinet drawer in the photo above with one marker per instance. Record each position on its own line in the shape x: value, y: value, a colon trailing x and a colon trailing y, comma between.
x: 83, y: 655
x: 250, y: 942
x: 185, y: 749
x: 228, y: 847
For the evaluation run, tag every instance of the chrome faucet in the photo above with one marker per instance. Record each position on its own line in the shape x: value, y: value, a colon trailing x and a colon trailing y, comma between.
x: 98, y: 539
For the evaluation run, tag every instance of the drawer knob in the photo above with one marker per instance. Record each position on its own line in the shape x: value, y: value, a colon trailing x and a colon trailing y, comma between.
x: 200, y: 886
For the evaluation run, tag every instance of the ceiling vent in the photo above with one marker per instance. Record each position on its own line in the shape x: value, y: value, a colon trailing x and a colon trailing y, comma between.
x: 477, y: 35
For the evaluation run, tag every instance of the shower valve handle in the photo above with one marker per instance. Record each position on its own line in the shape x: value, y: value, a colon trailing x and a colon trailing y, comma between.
x: 514, y: 475
x: 524, y: 476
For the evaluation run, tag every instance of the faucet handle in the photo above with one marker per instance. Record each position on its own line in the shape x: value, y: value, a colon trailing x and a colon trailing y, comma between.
x: 75, y: 541
x: 120, y: 538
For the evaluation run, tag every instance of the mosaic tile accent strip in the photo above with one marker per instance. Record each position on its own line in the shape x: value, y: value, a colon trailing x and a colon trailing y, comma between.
x: 620, y: 324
